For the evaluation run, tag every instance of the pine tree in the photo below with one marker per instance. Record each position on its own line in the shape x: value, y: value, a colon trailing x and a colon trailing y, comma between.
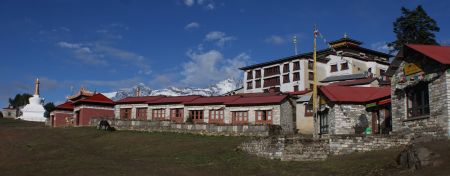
x: 414, y: 27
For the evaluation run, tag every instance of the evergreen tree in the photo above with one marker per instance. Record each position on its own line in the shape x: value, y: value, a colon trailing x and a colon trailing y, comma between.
x: 414, y: 27
x: 19, y: 100
x: 49, y: 107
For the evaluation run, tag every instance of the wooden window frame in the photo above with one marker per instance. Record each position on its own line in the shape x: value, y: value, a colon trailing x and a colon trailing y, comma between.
x: 286, y: 68
x: 239, y: 117
x: 177, y: 115
x: 286, y: 78
x: 270, y: 71
x: 296, y: 76
x: 309, y: 110
x: 249, y: 85
x: 249, y: 75
x: 295, y: 88
x: 418, y: 101
x: 323, y: 123
x: 257, y: 73
x: 344, y: 66
x: 141, y: 113
x: 263, y: 116
x: 296, y: 65
x: 125, y: 113
x: 216, y: 116
x: 310, y: 65
x: 311, y: 76
x: 333, y: 68
x: 197, y: 116
x: 257, y: 83
x: 159, y: 114
x: 270, y: 82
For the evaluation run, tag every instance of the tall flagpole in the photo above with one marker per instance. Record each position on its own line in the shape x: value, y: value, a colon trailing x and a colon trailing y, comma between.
x: 315, y: 72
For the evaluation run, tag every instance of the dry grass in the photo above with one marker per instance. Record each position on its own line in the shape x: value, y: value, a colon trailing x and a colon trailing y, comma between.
x: 31, y: 149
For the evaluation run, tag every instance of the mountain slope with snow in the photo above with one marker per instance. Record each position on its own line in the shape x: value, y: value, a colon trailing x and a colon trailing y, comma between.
x: 219, y: 88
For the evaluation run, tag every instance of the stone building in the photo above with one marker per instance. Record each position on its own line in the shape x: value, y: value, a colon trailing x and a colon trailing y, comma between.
x: 342, y: 109
x: 129, y: 107
x: 236, y: 110
x: 85, y: 105
x: 420, y: 90
x: 10, y: 112
x: 347, y: 61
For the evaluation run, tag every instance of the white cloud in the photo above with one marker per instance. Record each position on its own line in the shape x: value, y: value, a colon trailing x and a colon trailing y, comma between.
x: 101, y: 53
x: 208, y: 67
x: 210, y: 6
x: 206, y: 4
x: 192, y: 25
x: 189, y: 2
x: 219, y: 38
x: 112, y: 83
x: 275, y: 39
x: 381, y: 46
x: 69, y: 45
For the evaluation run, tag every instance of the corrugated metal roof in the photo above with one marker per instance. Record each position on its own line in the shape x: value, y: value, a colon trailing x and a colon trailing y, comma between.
x: 143, y: 99
x: 344, y: 77
x: 96, y: 98
x: 304, y: 98
x: 260, y: 100
x: 344, y: 94
x: 354, y: 82
x: 218, y: 100
x: 437, y: 53
x: 65, y: 106
x: 174, y: 100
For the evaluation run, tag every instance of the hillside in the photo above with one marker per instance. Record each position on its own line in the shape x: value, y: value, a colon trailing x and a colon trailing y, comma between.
x: 31, y: 149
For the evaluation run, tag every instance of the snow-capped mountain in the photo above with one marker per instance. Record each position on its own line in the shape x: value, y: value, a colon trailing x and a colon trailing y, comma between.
x: 219, y: 88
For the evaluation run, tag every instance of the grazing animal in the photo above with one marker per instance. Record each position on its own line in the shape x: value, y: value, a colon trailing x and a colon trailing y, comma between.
x: 104, y: 125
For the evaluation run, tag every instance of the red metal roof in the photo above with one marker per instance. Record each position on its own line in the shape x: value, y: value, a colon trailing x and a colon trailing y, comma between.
x: 438, y: 53
x: 212, y: 100
x: 258, y: 94
x: 143, y: 99
x: 174, y: 100
x: 96, y: 98
x: 300, y: 92
x: 344, y: 94
x: 258, y: 100
x: 354, y: 82
x: 65, y: 106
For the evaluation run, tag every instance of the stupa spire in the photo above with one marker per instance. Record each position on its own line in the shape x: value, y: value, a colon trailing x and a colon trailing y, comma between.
x: 36, y: 87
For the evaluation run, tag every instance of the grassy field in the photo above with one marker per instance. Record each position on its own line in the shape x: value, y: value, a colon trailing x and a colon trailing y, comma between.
x: 32, y: 149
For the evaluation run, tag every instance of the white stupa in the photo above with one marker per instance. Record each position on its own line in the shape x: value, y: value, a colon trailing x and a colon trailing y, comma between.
x: 35, y: 110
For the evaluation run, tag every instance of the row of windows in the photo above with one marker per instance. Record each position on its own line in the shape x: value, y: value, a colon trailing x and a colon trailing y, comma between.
x: 334, y: 67
x: 157, y: 114
x: 275, y: 81
x: 273, y: 70
x: 215, y: 116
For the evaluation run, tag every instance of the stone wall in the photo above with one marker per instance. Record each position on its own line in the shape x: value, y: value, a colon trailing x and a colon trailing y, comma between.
x: 287, y: 116
x: 437, y: 122
x: 204, y: 129
x: 343, y: 118
x: 287, y: 149
x: 298, y: 148
x: 346, y: 144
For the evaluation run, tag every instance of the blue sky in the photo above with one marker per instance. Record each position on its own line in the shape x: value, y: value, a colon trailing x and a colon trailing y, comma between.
x: 111, y: 44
